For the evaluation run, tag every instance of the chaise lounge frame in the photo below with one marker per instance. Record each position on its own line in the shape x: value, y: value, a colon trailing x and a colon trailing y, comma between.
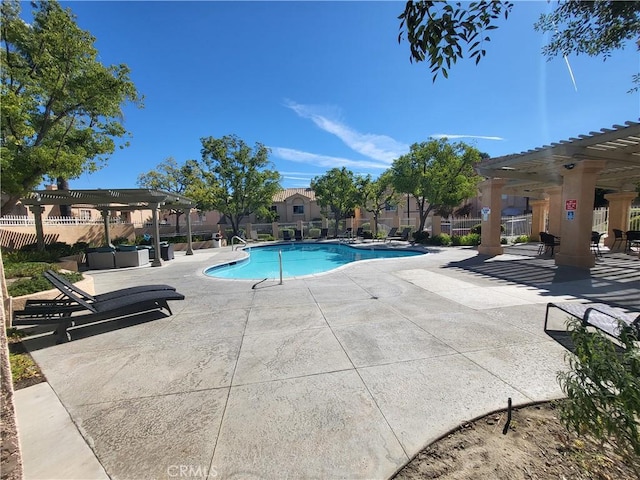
x: 609, y: 320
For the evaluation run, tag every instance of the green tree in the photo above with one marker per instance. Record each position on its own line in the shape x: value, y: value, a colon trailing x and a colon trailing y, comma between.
x: 441, y: 32
x: 235, y: 179
x: 61, y: 109
x: 376, y: 195
x: 173, y: 178
x: 437, y: 174
x: 336, y: 192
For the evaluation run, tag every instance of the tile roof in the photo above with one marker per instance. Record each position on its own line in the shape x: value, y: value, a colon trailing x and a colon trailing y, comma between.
x: 282, y: 195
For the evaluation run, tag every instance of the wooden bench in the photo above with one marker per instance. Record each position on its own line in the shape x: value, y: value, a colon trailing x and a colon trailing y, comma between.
x: 610, y: 320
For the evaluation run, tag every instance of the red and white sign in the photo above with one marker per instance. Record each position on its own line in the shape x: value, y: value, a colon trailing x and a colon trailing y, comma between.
x: 571, y: 205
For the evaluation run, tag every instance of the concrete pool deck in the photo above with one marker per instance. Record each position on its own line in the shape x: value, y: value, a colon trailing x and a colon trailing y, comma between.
x: 341, y: 375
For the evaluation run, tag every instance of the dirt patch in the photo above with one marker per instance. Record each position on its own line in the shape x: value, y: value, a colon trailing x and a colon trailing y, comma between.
x: 536, y: 446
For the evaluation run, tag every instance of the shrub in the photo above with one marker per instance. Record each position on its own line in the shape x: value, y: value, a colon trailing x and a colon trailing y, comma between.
x: 503, y: 241
x: 469, y: 240
x: 421, y: 237
x: 121, y: 241
x: 443, y: 239
x: 314, y: 232
x: 25, y: 269
x: 37, y: 283
x: 265, y: 237
x: 521, y: 239
x: 602, y: 387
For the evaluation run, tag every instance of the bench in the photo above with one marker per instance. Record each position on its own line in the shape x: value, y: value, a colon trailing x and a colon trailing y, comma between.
x: 609, y: 320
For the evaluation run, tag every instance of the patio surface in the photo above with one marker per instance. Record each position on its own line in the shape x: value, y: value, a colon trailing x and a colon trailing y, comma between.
x: 342, y: 375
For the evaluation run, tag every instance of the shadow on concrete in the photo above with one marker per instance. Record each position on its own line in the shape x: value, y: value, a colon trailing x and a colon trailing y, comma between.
x: 614, y: 280
x: 47, y: 340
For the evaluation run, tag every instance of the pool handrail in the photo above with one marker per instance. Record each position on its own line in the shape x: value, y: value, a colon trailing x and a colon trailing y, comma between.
x: 239, y: 238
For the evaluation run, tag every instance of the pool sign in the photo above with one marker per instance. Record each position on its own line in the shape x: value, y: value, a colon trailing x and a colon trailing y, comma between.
x: 570, y: 205
x: 571, y: 214
x: 485, y: 213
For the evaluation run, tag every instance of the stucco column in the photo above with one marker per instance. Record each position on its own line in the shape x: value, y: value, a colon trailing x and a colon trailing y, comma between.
x: 275, y: 230
x: 578, y: 193
x: 37, y: 213
x: 491, y: 191
x: 619, y: 210
x: 157, y: 262
x: 436, y: 225
x: 555, y: 211
x: 189, y: 241
x: 539, y: 212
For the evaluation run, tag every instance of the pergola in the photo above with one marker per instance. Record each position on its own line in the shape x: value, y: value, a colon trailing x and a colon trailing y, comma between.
x: 109, y: 200
x: 561, y: 178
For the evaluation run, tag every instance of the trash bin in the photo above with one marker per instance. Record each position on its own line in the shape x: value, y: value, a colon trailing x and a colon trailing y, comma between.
x: 217, y: 240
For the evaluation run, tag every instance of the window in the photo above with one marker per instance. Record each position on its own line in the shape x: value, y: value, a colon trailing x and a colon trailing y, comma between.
x: 85, y: 214
x: 298, y: 209
x: 390, y: 208
x: 274, y: 208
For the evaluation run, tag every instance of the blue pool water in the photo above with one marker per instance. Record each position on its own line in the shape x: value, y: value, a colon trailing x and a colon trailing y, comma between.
x: 298, y: 259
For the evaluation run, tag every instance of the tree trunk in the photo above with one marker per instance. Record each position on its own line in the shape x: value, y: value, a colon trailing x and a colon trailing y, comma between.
x: 63, y: 184
x: 9, y: 204
x: 178, y: 222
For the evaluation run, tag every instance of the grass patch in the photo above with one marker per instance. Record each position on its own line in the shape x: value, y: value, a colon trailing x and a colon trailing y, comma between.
x: 24, y: 370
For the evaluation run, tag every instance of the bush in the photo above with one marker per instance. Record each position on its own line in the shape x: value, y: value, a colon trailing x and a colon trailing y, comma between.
x: 37, y: 283
x: 602, y: 387
x: 421, y: 237
x: 443, y: 239
x: 314, y: 232
x: 521, y: 239
x: 469, y: 240
x: 503, y: 241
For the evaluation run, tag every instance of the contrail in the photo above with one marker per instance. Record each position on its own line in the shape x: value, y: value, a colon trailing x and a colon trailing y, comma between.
x: 573, y: 80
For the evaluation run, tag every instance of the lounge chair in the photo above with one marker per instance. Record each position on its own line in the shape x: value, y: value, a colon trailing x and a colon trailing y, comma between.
x: 601, y: 316
x: 324, y: 232
x: 404, y: 236
x: 360, y: 232
x: 392, y: 233
x: 62, y: 284
x: 298, y: 235
x: 286, y: 235
x: 113, y: 305
x: 348, y: 233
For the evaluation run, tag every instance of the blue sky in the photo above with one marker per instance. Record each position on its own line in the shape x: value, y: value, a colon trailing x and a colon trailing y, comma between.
x: 326, y: 84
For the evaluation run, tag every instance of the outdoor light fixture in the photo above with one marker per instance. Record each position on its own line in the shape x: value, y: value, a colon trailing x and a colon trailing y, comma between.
x: 569, y: 166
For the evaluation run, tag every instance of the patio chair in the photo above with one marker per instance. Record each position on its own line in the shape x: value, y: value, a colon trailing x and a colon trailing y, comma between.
x: 609, y: 320
x: 548, y: 243
x: 618, y: 237
x: 633, y: 239
x: 360, y: 232
x: 324, y: 233
x: 404, y: 236
x: 392, y: 233
x: 62, y: 315
x: 595, y: 243
x: 348, y: 233
x: 298, y: 235
x: 286, y: 235
x: 61, y: 283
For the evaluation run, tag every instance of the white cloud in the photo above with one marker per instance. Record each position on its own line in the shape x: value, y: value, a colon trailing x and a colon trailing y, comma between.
x: 378, y: 147
x: 454, y: 136
x: 323, y: 160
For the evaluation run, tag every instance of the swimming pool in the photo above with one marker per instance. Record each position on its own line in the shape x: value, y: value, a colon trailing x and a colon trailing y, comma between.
x: 299, y: 259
